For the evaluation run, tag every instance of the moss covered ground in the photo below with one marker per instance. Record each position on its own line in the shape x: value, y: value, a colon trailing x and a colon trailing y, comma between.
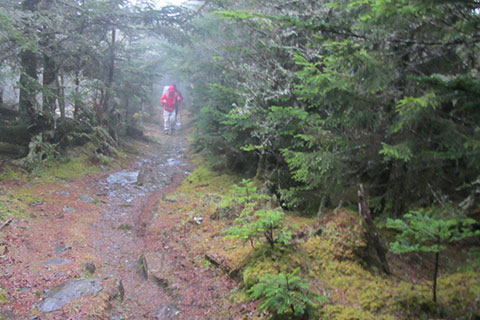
x: 332, y: 255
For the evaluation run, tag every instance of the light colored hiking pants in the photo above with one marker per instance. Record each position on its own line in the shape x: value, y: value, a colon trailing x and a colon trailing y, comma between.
x: 168, y: 120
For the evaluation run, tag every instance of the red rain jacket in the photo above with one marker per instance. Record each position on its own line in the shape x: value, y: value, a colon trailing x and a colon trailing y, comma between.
x: 171, y: 99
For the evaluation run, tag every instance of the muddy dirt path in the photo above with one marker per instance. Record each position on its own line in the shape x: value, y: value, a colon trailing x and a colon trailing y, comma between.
x: 109, y: 231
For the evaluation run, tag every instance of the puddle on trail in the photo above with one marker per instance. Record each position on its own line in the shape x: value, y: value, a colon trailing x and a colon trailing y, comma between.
x: 123, y: 177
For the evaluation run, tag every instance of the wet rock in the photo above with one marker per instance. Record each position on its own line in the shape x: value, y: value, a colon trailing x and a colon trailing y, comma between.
x: 123, y: 177
x: 59, y: 248
x: 167, y: 311
x: 170, y: 199
x: 68, y: 291
x: 173, y: 162
x: 143, y: 174
x: 89, y: 267
x: 64, y: 193
x: 57, y: 262
x: 86, y: 199
x: 142, y: 267
x: 68, y: 209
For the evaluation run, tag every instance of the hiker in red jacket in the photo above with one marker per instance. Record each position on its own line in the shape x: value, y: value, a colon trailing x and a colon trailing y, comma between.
x: 170, y: 101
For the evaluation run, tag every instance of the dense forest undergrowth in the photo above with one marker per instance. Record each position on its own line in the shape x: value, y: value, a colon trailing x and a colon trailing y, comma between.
x: 337, y: 143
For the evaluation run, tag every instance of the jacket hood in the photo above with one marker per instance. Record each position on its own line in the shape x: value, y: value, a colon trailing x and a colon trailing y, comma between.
x: 171, y: 89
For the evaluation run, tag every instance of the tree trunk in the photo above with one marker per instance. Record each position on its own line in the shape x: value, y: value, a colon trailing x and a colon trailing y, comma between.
x: 49, y: 65
x: 49, y: 82
x: 111, y: 68
x: 28, y: 83
x: 435, y: 273
x: 372, y: 233
x: 261, y: 166
x: 61, y: 95
x: 76, y: 101
x: 28, y: 70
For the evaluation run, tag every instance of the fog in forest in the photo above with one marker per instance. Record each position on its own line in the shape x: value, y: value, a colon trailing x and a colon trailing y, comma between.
x: 226, y: 159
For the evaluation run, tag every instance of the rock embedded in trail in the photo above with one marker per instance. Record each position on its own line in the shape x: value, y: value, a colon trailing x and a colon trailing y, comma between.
x: 59, y: 248
x: 167, y: 311
x: 57, y: 262
x: 68, y: 291
x: 123, y: 177
x: 86, y: 199
x: 68, y: 209
x: 142, y: 267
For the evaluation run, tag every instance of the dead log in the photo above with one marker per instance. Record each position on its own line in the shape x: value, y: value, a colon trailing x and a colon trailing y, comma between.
x: 373, y: 236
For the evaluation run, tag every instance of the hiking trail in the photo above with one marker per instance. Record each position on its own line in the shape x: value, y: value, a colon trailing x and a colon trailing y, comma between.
x: 99, y: 247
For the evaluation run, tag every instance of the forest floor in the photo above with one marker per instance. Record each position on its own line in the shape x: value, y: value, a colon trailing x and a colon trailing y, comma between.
x: 125, y: 231
x: 143, y: 237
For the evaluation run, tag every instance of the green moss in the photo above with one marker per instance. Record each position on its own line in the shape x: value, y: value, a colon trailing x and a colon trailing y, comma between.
x: 203, y: 176
x: 67, y: 168
x: 413, y: 300
x: 252, y: 273
x: 3, y: 296
x: 342, y: 238
x: 345, y: 235
x: 240, y: 296
x: 459, y: 293
x: 125, y: 227
x: 11, y: 174
x: 264, y: 261
x: 355, y: 292
x: 16, y: 205
x: 341, y: 312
